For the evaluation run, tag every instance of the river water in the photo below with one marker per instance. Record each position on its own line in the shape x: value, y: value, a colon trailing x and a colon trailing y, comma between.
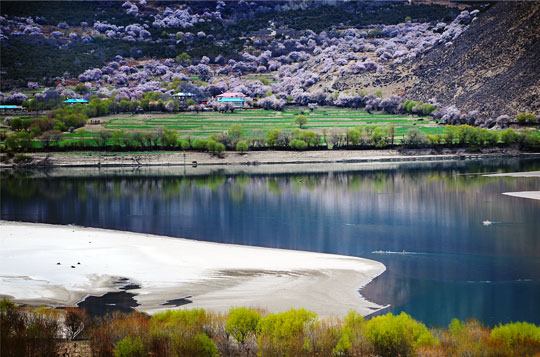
x: 424, y: 221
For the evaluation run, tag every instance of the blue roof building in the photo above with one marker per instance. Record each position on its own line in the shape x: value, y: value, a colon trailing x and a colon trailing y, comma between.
x: 73, y: 101
x: 237, y: 102
x: 8, y: 109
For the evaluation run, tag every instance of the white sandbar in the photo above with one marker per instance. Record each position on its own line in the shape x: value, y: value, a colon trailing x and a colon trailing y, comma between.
x: 217, y: 276
x: 516, y: 174
x: 534, y: 195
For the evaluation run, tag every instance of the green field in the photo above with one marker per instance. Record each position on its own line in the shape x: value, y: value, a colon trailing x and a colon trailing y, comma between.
x: 256, y: 121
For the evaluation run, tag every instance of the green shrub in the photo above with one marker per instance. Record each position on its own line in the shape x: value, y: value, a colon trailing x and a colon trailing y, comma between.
x: 16, y: 124
x: 169, y: 138
x: 235, y: 132
x: 19, y: 142
x: 184, y: 144
x: 300, y: 120
x: 526, y: 118
x: 200, y: 144
x: 188, y: 344
x: 207, y: 347
x: 297, y: 144
x: 242, y: 146
x: 415, y: 138
x: 130, y: 347
x: 397, y: 335
x: 219, y: 148
x: 509, y: 137
x: 211, y: 145
x: 456, y: 327
x: 28, y: 333
x: 429, y: 108
x: 376, y: 32
x: 351, y: 340
x: 409, y: 105
x: 193, y: 319
x: 532, y: 141
x: 242, y: 323
x: 284, y: 333
x: 522, y: 338
x: 379, y: 137
x: 273, y: 137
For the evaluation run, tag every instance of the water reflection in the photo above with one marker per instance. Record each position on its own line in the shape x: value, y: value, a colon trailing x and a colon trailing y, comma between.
x: 447, y: 263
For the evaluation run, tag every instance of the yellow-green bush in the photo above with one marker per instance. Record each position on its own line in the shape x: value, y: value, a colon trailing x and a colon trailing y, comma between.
x: 352, y: 342
x: 285, y: 333
x: 194, y: 319
x: 130, y: 347
x: 521, y: 338
x: 397, y: 335
x: 242, y: 323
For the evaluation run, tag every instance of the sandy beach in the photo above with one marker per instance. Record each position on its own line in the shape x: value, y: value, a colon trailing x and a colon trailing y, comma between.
x: 217, y: 276
x: 254, y: 158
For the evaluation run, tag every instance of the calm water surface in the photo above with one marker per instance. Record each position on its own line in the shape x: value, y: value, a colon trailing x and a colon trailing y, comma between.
x: 423, y: 221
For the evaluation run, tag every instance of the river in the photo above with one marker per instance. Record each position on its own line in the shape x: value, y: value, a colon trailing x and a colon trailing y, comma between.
x: 424, y: 221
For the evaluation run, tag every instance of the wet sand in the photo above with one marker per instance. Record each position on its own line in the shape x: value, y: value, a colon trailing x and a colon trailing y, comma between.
x: 217, y: 276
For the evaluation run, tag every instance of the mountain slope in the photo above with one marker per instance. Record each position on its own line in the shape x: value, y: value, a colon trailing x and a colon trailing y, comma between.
x: 493, y: 67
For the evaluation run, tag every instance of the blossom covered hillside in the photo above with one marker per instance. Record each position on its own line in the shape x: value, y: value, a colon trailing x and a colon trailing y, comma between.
x: 347, y: 54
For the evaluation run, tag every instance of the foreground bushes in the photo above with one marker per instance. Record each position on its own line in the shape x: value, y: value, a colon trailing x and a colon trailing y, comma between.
x: 249, y: 332
x: 28, y: 333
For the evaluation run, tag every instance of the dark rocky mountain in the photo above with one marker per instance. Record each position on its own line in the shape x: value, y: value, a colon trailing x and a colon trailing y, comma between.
x: 493, y: 67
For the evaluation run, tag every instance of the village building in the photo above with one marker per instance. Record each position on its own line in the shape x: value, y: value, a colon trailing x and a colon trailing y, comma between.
x: 236, y: 102
x: 75, y: 101
x: 237, y: 99
x: 182, y: 97
x: 11, y: 109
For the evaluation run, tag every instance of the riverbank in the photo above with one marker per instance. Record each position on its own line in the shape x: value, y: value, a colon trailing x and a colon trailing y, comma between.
x: 60, y: 265
x: 254, y: 158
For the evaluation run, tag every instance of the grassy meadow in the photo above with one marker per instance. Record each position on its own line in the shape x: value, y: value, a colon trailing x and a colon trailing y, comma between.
x: 257, y: 121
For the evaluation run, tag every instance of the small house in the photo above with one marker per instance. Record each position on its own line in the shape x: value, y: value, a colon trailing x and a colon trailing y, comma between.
x: 237, y: 99
x: 236, y: 102
x: 11, y: 109
x: 75, y: 101
x: 182, y: 97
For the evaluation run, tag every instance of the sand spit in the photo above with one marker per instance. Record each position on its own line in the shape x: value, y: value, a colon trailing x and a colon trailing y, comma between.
x: 516, y: 174
x: 217, y: 276
x: 533, y: 195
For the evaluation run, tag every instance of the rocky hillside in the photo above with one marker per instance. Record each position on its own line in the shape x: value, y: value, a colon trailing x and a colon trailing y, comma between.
x: 493, y: 67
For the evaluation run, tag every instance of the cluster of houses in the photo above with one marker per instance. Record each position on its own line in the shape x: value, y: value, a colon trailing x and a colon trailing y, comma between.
x: 237, y: 99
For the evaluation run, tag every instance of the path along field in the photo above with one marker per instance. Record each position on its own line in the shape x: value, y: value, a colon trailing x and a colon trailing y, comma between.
x: 256, y: 122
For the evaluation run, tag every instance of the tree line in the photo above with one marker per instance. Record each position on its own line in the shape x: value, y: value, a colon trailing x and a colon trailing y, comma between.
x: 237, y: 139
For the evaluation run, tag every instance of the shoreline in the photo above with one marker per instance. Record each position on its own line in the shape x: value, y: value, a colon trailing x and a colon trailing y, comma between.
x: 217, y: 276
x: 252, y: 158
